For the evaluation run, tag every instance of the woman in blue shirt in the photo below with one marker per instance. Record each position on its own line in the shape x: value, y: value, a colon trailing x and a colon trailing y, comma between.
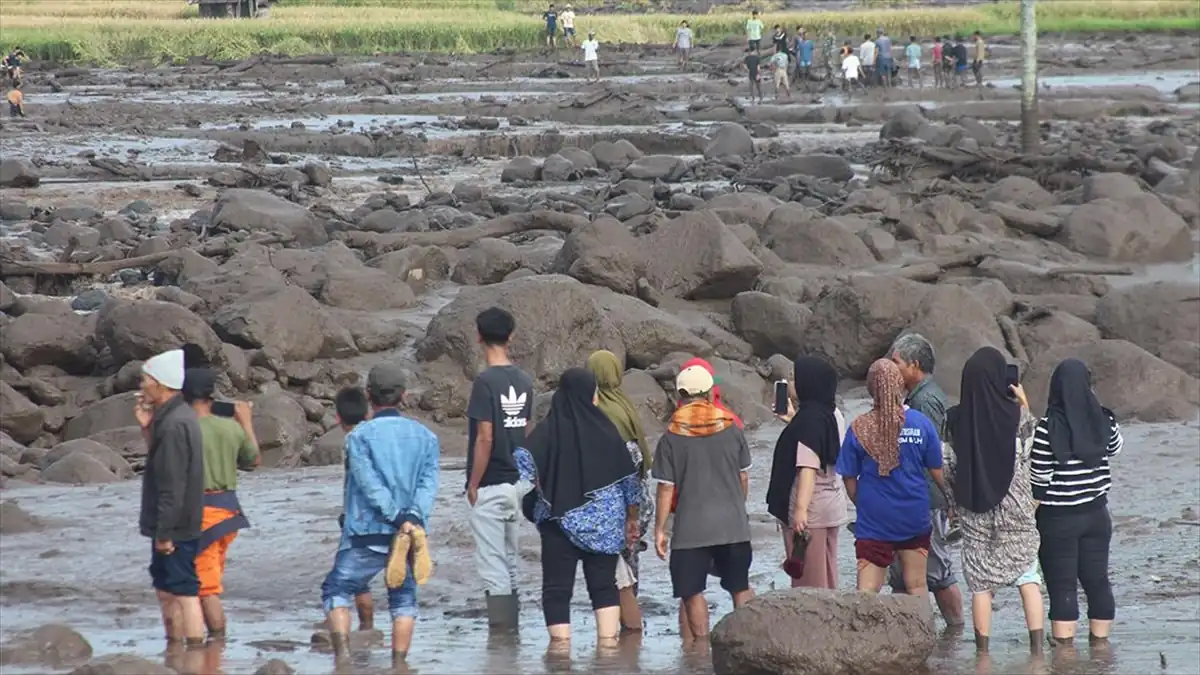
x: 883, y: 462
x: 585, y: 504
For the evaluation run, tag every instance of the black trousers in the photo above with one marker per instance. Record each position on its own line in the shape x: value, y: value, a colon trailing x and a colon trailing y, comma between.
x: 559, y: 559
x: 1075, y: 542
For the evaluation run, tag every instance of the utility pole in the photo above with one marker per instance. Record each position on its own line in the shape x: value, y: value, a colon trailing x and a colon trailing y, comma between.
x: 1030, y: 134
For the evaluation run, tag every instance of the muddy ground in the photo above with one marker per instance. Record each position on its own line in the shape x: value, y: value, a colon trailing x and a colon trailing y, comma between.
x: 406, y: 162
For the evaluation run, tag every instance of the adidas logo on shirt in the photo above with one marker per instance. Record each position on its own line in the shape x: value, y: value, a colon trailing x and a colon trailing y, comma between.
x: 513, y: 404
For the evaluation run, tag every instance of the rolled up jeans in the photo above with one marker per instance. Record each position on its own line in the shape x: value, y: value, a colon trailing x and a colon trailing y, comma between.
x: 495, y: 520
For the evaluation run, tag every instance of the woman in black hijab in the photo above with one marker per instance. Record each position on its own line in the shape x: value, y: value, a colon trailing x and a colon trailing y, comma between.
x: 805, y: 494
x: 1071, y: 480
x: 585, y: 504
x: 991, y: 432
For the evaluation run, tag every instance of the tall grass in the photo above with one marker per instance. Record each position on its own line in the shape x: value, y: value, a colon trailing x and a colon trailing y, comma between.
x: 114, y: 31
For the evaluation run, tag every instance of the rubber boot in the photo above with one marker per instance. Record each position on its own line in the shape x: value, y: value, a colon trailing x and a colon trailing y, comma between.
x: 1036, y: 639
x: 503, y: 612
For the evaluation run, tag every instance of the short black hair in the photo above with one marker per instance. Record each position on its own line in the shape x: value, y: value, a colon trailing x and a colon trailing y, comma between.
x: 867, y: 36
x: 978, y: 34
x: 495, y: 326
x: 194, y: 356
x: 199, y: 384
x: 351, y: 406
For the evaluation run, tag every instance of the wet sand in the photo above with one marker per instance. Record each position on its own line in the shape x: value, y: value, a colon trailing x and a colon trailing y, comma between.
x: 88, y: 570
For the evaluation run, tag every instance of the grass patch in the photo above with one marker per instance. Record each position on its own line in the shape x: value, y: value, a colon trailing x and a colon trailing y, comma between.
x: 117, y: 31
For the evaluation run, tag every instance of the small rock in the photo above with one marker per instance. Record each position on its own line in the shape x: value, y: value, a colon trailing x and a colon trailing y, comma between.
x: 89, y: 300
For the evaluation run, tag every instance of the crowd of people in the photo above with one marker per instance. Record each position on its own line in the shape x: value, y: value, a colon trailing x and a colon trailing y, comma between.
x: 1030, y: 495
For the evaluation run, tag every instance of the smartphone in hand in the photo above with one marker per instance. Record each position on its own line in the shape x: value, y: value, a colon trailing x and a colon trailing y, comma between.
x: 223, y: 408
x: 781, y: 397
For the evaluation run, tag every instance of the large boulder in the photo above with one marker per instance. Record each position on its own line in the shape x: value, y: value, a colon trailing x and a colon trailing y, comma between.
x: 559, y: 324
x: 1151, y: 316
x: 697, y: 256
x: 843, y: 634
x: 957, y: 322
x: 854, y: 323
x: 18, y: 173
x: 486, y: 261
x: 1128, y: 379
x: 731, y: 140
x: 281, y: 427
x: 365, y: 289
x: 801, y: 235
x: 521, y: 169
x: 1110, y: 186
x: 1048, y: 330
x: 111, y: 460
x: 256, y: 210
x: 122, y: 664
x: 615, y: 155
x: 19, y: 417
x: 602, y: 253
x: 135, y: 331
x: 287, y: 319
x: 113, y: 412
x: 905, y: 122
x: 52, y: 645
x: 667, y: 168
x: 833, y: 167
x: 62, y: 340
x: 771, y: 325
x: 1133, y: 229
x: 1020, y: 191
x: 79, y: 468
x: 649, y: 334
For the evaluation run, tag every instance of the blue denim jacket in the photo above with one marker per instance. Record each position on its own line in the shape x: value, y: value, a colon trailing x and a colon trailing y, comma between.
x: 393, y: 475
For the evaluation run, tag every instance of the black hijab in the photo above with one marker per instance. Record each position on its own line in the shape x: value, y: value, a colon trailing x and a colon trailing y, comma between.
x: 577, y: 449
x: 983, y: 429
x: 814, y: 425
x: 1079, y: 427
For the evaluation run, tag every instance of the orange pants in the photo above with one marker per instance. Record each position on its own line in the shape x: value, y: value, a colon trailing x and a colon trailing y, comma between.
x: 210, y: 563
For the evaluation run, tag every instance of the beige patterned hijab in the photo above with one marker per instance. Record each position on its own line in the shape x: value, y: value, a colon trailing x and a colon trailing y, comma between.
x: 878, y: 431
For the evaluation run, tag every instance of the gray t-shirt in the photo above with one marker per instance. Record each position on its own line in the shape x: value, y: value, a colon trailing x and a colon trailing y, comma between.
x: 706, y: 472
x: 928, y: 399
x: 502, y: 395
x: 883, y: 47
x: 683, y: 38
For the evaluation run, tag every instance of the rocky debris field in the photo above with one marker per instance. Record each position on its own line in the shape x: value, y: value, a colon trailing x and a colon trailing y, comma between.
x: 744, y: 234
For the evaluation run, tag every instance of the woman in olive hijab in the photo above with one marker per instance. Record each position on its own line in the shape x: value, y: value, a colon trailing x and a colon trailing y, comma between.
x: 615, y: 404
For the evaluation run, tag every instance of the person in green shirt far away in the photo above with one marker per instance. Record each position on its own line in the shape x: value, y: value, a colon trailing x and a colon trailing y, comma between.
x: 754, y: 31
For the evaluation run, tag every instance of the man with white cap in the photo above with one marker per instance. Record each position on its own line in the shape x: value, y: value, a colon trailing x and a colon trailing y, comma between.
x: 172, y: 495
x: 703, y: 457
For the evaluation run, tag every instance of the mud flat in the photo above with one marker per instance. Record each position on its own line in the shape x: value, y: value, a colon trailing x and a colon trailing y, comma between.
x: 304, y: 221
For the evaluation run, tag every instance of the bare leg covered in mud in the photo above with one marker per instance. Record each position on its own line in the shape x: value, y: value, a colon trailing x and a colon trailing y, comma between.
x: 214, y: 616
x: 365, y: 604
x: 339, y: 628
x: 183, y: 620
x: 1031, y: 599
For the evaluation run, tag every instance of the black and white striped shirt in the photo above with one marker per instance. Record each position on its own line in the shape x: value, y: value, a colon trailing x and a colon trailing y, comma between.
x: 1069, y: 483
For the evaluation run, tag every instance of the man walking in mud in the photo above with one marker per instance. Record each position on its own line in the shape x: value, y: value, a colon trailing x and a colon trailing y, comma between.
x: 498, y: 413
x: 229, y: 446
x: 752, y: 63
x: 351, y: 409
x: 172, y: 495
x: 550, y: 16
x: 389, y: 498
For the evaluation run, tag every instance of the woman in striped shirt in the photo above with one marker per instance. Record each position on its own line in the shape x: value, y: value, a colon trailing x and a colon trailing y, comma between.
x: 1070, y: 474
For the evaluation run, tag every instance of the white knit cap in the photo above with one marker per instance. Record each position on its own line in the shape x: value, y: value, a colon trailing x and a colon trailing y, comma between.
x: 166, y: 368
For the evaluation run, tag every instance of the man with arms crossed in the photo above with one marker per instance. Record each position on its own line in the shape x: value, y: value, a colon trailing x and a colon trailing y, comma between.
x: 499, y: 410
x: 172, y: 495
x: 704, y: 458
x: 389, y: 495
x: 913, y: 354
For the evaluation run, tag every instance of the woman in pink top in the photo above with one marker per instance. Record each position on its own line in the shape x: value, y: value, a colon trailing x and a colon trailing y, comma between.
x: 804, y: 493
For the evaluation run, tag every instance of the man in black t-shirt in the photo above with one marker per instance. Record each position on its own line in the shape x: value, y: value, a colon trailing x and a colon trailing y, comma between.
x: 751, y: 62
x: 499, y: 413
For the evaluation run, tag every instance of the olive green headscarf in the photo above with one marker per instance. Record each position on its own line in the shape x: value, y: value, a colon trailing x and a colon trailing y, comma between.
x: 615, y: 404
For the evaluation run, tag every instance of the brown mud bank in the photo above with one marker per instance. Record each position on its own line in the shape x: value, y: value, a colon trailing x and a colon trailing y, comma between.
x: 275, y: 569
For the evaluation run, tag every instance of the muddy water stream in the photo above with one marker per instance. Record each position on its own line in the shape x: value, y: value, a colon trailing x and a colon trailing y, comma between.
x: 88, y: 569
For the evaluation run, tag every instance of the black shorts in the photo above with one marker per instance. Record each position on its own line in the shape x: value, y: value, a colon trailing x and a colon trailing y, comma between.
x: 690, y: 568
x: 175, y: 573
x: 754, y: 44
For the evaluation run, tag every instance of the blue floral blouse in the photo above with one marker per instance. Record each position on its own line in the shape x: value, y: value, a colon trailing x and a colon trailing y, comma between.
x: 598, y: 525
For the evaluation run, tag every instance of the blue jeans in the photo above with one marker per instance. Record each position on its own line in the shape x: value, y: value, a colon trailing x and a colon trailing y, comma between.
x: 353, y: 570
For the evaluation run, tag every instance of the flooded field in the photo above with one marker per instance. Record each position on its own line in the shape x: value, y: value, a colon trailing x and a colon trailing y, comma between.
x: 416, y: 135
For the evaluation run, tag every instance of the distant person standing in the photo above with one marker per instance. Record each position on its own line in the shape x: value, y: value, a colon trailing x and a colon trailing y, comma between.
x: 752, y: 63
x: 568, y: 24
x: 683, y: 43
x: 591, y: 56
x: 960, y: 61
x: 866, y: 57
x: 550, y: 16
x: 703, y: 457
x: 779, y: 38
x: 883, y: 50
x: 498, y: 411
x: 912, y: 54
x: 779, y: 64
x: 172, y: 495
x: 828, y: 47
x: 935, y: 61
x: 980, y: 55
x: 754, y: 31
x: 852, y: 72
x: 804, y: 57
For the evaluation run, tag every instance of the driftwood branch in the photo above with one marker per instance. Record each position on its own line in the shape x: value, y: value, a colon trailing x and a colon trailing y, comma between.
x: 374, y: 244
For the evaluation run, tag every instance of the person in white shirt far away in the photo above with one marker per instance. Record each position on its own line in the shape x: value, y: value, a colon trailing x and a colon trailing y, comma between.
x: 568, y: 24
x: 852, y: 72
x: 591, y: 57
x: 866, y: 58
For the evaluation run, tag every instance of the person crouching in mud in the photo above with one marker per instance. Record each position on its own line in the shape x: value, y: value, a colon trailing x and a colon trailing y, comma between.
x: 229, y: 445
x: 16, y: 102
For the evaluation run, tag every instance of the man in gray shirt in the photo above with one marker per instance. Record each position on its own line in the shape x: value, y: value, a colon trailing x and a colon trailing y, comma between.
x: 913, y: 353
x: 703, y: 459
x: 172, y: 495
